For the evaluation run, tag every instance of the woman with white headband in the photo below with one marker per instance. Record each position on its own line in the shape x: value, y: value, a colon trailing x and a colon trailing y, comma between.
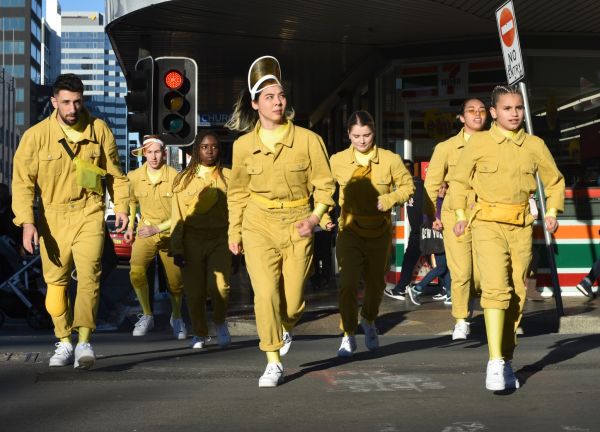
x: 277, y: 168
x: 151, y: 188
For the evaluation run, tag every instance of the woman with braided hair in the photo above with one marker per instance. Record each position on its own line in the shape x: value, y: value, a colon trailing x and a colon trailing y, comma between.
x: 199, y: 238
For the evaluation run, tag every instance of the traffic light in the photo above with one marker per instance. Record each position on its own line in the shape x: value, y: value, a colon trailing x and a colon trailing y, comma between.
x: 176, y: 100
x: 139, y: 99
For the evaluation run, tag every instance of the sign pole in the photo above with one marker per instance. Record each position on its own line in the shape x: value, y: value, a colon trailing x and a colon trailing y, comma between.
x: 542, y: 199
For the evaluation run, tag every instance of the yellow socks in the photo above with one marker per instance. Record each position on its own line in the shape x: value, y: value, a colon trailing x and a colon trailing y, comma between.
x: 56, y: 300
x: 176, y: 300
x: 348, y: 334
x: 140, y: 286
x: 273, y: 357
x: 494, y: 325
x: 84, y: 334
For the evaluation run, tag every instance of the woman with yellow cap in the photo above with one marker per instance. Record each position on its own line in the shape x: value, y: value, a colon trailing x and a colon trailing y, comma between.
x: 277, y: 168
x: 499, y: 166
x: 372, y: 180
x: 151, y: 190
x: 199, y: 239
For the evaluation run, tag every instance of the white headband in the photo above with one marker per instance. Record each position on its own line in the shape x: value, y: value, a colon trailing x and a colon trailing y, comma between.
x: 151, y: 140
x: 255, y: 88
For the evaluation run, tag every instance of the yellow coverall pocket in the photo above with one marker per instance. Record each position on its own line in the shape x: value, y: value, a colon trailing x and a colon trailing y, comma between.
x: 89, y: 176
x: 50, y: 164
x: 296, y: 172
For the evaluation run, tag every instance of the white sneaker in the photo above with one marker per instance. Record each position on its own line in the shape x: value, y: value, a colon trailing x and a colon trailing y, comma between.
x: 462, y: 329
x: 223, y: 336
x: 371, y: 337
x: 448, y: 301
x: 144, y: 325
x: 84, y: 356
x: 179, y: 330
x: 439, y: 297
x: 494, y: 376
x: 273, y: 375
x: 510, y: 379
x: 347, y: 347
x: 391, y: 292
x: 198, y: 342
x: 63, y: 355
x: 287, y: 343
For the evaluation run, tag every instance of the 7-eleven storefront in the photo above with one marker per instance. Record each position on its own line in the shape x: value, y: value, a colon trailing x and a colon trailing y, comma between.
x: 416, y: 107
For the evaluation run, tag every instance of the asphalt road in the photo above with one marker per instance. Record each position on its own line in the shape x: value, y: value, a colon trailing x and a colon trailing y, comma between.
x: 412, y: 383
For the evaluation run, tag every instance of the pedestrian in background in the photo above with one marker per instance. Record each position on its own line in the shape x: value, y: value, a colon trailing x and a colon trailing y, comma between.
x: 199, y: 239
x: 277, y: 168
x: 499, y: 166
x: 372, y: 180
x: 459, y: 254
x: 412, y: 253
x: 438, y: 254
x: 151, y: 189
x: 64, y: 158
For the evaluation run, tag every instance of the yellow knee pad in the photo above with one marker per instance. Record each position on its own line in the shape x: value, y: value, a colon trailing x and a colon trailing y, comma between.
x: 56, y: 300
x: 138, y: 278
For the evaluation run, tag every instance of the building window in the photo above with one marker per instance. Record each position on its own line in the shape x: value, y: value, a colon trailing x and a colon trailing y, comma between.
x: 17, y: 24
x: 10, y: 47
x: 20, y: 95
x: 19, y: 118
x: 35, y: 74
x: 35, y: 30
x: 35, y: 53
x: 17, y: 71
x: 36, y: 8
x: 12, y: 3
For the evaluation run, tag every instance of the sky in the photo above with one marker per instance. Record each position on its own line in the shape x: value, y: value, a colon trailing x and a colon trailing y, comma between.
x: 82, y: 5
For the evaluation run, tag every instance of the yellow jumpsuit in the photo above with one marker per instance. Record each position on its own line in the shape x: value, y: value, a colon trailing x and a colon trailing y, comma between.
x: 501, y: 172
x: 71, y: 219
x: 155, y: 202
x: 365, y: 233
x: 463, y: 272
x: 199, y: 234
x: 268, y: 194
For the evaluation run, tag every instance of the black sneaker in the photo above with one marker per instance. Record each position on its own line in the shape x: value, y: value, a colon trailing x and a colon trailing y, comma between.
x: 391, y: 292
x: 585, y: 287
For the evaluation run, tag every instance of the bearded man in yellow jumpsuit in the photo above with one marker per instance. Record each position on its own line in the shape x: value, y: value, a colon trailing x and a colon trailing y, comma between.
x: 499, y: 166
x: 151, y: 188
x: 63, y: 158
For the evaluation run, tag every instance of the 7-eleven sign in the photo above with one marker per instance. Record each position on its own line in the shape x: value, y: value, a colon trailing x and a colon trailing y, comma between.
x: 509, y: 39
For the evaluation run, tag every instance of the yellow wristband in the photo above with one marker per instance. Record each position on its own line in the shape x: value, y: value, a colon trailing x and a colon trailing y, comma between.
x: 320, y: 210
x: 552, y: 212
x: 460, y: 215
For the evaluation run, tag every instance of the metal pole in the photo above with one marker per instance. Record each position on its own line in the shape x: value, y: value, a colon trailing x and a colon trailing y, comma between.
x: 542, y: 199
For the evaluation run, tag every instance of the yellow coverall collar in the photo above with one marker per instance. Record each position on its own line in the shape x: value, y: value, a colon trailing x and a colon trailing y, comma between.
x: 287, y: 140
x: 163, y: 169
x: 352, y: 158
x: 57, y: 134
x: 499, y: 136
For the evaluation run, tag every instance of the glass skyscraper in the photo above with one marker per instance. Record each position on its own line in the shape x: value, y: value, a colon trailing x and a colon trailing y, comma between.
x: 86, y: 51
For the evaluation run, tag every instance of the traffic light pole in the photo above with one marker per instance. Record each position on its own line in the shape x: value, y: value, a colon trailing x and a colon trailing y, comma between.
x: 542, y: 199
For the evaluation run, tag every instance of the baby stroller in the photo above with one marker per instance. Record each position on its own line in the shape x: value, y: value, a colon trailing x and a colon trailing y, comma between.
x: 19, y: 294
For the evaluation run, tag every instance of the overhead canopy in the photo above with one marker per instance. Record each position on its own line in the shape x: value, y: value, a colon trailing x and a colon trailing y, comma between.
x: 325, y: 45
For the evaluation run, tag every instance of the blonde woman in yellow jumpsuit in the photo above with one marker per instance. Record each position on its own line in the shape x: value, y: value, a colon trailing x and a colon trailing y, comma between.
x: 372, y: 181
x: 464, y: 274
x: 499, y: 166
x: 277, y: 168
x: 71, y: 211
x: 199, y: 239
x: 151, y: 188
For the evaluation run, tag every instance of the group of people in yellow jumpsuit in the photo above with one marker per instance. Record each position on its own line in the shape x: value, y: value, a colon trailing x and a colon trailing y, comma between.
x: 280, y: 187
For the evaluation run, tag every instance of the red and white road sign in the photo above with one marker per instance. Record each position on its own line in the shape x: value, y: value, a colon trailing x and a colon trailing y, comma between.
x: 509, y: 40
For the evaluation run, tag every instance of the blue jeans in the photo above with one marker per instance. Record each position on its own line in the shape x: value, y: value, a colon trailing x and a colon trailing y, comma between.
x: 440, y: 271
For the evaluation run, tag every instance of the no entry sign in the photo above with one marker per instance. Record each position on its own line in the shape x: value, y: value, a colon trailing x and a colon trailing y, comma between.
x: 509, y: 39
